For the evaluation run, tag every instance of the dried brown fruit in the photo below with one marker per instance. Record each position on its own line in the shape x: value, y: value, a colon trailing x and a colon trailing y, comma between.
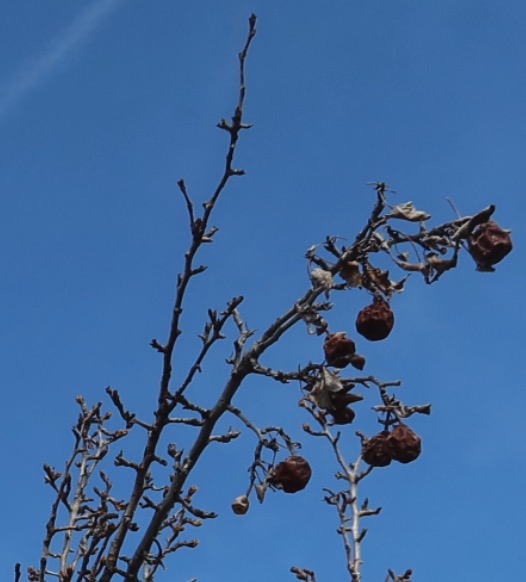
x: 405, y: 444
x: 339, y: 410
x: 291, y: 475
x: 489, y: 244
x: 338, y: 349
x: 375, y: 321
x: 343, y: 415
x: 376, y: 451
x: 240, y: 505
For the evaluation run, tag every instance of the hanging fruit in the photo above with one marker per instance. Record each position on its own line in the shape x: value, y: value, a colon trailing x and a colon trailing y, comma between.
x: 376, y: 450
x: 489, y: 244
x: 291, y: 475
x: 401, y: 444
x: 405, y: 444
x: 339, y: 410
x: 338, y: 349
x: 375, y: 321
x: 240, y: 505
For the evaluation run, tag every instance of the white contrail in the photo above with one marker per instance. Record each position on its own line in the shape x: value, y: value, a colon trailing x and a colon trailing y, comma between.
x: 37, y: 70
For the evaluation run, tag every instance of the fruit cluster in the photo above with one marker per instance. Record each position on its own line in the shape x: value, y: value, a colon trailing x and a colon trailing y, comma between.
x: 401, y: 444
x: 488, y: 244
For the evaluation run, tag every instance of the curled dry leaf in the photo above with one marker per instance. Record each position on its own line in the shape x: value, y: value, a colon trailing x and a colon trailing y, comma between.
x: 261, y: 489
x: 330, y: 394
x: 407, y: 211
x: 436, y: 266
x: 322, y: 278
x: 330, y: 381
x: 350, y: 273
x: 327, y: 384
x: 378, y: 280
x: 412, y: 267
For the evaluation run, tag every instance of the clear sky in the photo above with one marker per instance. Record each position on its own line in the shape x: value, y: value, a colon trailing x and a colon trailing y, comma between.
x: 105, y: 104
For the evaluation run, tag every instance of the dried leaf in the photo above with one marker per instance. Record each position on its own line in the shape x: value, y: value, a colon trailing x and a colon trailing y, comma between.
x: 331, y: 381
x: 328, y: 384
x: 407, y: 211
x: 436, y: 266
x: 322, y: 278
x: 350, y: 273
x: 381, y: 282
x: 413, y: 267
x: 260, y: 491
x: 398, y: 286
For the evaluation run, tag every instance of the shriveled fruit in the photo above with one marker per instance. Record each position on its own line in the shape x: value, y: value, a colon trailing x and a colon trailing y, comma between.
x: 240, y: 505
x: 340, y: 411
x: 489, y: 244
x: 343, y: 415
x: 405, y: 444
x: 375, y: 321
x: 376, y: 451
x: 338, y: 349
x: 291, y: 475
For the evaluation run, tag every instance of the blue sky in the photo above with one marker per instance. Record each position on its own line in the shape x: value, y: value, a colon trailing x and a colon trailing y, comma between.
x: 104, y: 105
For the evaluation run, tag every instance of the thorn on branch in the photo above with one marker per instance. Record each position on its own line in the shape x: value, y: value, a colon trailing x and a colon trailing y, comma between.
x: 201, y: 268
x: 127, y: 416
x: 160, y: 460
x: 369, y: 512
x: 405, y: 577
x: 175, y: 453
x: 252, y: 24
x: 304, y: 574
x: 147, y: 503
x: 189, y: 203
x: 364, y: 473
x: 362, y: 534
x: 186, y: 503
x: 51, y: 476
x: 223, y: 124
x: 120, y: 461
x: 208, y: 237
x: 157, y: 346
